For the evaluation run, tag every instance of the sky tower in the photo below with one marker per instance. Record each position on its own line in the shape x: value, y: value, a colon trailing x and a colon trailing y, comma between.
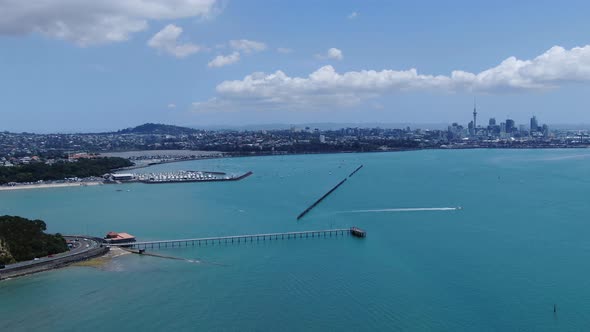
x: 474, y: 118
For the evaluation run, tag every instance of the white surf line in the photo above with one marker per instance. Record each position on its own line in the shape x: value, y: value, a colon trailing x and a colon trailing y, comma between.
x: 406, y: 210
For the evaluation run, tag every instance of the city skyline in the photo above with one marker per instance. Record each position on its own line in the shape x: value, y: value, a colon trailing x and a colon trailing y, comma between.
x: 227, y: 63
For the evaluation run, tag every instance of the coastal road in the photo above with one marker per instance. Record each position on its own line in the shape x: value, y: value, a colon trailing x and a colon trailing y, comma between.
x: 82, y: 246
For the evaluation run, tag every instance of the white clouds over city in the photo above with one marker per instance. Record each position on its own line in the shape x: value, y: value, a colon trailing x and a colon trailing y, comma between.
x: 326, y: 87
x: 332, y: 53
x: 166, y: 40
x: 89, y: 22
x: 224, y: 60
x: 247, y: 46
x: 240, y: 46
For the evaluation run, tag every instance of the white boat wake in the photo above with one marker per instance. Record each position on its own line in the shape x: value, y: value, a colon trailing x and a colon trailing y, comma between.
x: 407, y: 210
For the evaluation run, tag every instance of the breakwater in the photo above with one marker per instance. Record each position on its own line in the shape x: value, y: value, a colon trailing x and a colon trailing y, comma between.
x: 319, y: 200
x: 309, y: 208
x: 356, y: 170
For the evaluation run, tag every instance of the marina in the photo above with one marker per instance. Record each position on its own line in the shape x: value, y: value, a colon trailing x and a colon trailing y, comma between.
x: 176, y: 177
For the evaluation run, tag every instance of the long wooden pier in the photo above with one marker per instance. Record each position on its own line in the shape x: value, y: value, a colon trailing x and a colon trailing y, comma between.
x: 239, y: 238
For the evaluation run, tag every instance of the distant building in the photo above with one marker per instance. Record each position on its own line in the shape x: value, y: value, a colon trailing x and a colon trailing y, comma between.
x: 455, y: 131
x: 545, y: 131
x: 534, y: 125
x: 492, y: 122
x: 114, y: 237
x: 474, y: 120
x: 123, y: 177
x: 81, y: 155
x: 322, y: 139
x: 510, y: 126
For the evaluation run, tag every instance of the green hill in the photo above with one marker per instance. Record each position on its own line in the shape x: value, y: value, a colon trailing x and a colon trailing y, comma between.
x: 158, y: 129
x: 23, y: 239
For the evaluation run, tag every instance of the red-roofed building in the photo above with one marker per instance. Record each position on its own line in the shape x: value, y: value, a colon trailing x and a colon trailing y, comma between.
x: 114, y: 237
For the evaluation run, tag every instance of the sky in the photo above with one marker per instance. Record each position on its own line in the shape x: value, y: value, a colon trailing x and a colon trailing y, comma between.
x: 85, y: 65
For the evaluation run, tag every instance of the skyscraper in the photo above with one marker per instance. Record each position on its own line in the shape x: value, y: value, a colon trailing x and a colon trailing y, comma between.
x: 510, y: 126
x: 534, y: 125
x: 545, y: 131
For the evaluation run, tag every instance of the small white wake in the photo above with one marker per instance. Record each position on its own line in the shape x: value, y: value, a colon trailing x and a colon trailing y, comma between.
x: 407, y: 210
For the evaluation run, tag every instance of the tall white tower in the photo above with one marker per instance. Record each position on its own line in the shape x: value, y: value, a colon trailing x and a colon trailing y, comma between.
x: 474, y: 118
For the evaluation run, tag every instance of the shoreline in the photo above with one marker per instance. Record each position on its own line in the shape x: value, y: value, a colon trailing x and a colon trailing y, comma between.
x: 227, y: 155
x: 21, y: 269
x: 49, y: 185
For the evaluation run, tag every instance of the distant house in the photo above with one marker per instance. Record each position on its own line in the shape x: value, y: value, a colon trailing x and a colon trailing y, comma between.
x: 81, y: 155
x: 114, y: 237
x: 123, y: 177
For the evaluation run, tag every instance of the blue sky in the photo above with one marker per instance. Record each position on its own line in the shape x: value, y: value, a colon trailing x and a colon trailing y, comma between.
x: 76, y: 65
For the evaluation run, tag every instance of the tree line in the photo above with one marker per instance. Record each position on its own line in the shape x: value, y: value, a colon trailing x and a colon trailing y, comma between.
x: 60, y: 170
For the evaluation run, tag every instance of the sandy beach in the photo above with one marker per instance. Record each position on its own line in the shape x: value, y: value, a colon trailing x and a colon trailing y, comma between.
x: 49, y: 185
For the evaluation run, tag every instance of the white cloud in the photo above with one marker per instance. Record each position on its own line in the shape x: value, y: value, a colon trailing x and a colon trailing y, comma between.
x: 224, y: 60
x: 326, y: 88
x: 171, y: 105
x: 91, y: 22
x: 352, y: 15
x: 166, y: 40
x: 284, y: 50
x: 335, y: 53
x: 332, y: 53
x: 247, y: 46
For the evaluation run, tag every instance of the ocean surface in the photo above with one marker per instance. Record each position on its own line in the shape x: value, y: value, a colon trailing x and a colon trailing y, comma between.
x: 519, y: 245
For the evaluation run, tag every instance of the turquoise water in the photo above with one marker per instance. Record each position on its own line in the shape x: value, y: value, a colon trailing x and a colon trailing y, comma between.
x: 519, y: 246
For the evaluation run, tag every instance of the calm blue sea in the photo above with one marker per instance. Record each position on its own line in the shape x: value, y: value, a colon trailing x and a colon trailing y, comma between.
x: 519, y: 245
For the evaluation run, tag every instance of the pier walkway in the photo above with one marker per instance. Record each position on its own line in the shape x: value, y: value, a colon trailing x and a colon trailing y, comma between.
x: 239, y: 238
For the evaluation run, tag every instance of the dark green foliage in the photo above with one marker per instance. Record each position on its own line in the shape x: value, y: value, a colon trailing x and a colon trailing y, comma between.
x: 26, y: 240
x: 82, y: 168
x: 158, y: 129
